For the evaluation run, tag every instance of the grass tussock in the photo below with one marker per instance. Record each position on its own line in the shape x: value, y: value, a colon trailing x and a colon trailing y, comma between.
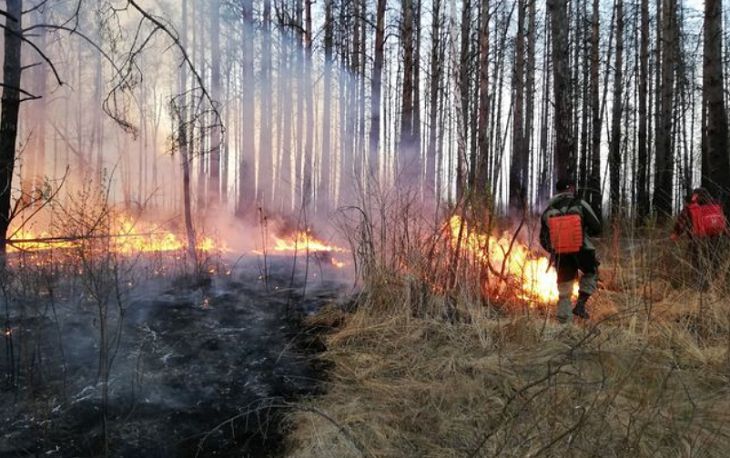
x: 422, y: 370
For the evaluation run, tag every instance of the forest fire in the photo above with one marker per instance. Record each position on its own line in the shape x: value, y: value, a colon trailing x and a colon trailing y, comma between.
x: 304, y: 243
x: 529, y: 273
x: 126, y: 236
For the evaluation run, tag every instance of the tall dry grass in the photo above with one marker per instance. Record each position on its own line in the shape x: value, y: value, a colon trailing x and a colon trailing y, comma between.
x: 428, y: 366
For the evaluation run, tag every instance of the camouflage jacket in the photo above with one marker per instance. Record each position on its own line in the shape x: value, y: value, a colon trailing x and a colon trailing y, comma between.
x: 567, y: 203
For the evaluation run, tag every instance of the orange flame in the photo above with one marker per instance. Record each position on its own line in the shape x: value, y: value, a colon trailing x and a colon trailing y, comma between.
x: 127, y: 236
x: 304, y: 241
x: 532, y: 275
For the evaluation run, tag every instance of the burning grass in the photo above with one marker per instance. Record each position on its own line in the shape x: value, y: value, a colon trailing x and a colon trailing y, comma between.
x: 126, y: 235
x: 419, y: 370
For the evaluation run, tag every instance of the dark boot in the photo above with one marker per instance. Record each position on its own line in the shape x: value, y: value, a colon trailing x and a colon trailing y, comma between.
x: 580, y: 306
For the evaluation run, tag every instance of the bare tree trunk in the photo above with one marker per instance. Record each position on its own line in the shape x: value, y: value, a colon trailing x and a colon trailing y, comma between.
x: 416, y: 133
x: 215, y: 74
x: 664, y: 167
x: 375, y: 90
x: 246, y: 186
x: 431, y: 190
x: 266, y: 154
x: 642, y: 182
x: 284, y: 150
x: 614, y: 154
x: 481, y: 177
x: 199, y: 39
x: 564, y: 157
x: 543, y: 187
x: 518, y: 167
x: 324, y: 195
x: 301, y: 90
x: 309, y: 102
x: 530, y: 83
x: 361, y: 148
x: 595, y: 197
x: 183, y: 142
x: 462, y: 173
x: 585, y: 155
x: 715, y: 159
x: 39, y: 110
x: 409, y: 169
x: 9, y: 117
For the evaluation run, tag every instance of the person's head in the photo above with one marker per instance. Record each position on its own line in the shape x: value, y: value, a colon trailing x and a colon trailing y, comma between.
x: 700, y: 196
x: 565, y: 185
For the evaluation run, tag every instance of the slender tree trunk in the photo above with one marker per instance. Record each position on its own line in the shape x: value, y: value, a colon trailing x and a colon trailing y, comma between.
x: 518, y: 168
x: 184, y: 145
x: 642, y: 182
x: 431, y: 191
x: 199, y: 59
x: 564, y: 156
x: 375, y: 90
x: 246, y: 177
x: 301, y: 91
x: 462, y: 172
x: 309, y: 102
x: 40, y: 108
x: 416, y: 133
x: 530, y: 82
x: 595, y: 197
x: 215, y: 74
x: 715, y: 159
x: 543, y: 188
x: 408, y: 170
x: 614, y: 154
x: 266, y: 154
x: 664, y: 167
x: 586, y: 153
x: 361, y: 161
x: 324, y: 197
x: 481, y: 178
x: 9, y: 117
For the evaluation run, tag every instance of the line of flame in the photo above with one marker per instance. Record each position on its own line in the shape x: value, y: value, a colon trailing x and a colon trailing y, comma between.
x: 532, y: 274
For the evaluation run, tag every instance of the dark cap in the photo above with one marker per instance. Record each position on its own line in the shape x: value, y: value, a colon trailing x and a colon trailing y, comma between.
x: 564, y: 183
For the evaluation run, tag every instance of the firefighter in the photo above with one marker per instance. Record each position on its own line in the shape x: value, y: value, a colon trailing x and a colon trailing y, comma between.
x: 566, y: 225
x: 703, y: 221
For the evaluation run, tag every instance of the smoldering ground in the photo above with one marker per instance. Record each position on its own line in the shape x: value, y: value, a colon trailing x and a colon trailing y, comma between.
x: 200, y: 368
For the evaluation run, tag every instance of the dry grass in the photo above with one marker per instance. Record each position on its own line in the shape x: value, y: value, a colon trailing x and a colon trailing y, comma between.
x: 647, y: 377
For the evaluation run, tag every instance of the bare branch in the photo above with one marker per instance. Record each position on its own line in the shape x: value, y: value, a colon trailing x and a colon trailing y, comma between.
x: 169, y: 31
x: 43, y: 55
x: 36, y: 7
x: 22, y: 91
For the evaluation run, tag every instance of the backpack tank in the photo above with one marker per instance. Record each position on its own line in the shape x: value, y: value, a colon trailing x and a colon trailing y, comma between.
x: 566, y: 233
x: 707, y: 220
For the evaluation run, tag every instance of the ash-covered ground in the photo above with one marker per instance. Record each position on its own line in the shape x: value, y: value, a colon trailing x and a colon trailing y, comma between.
x: 192, y: 355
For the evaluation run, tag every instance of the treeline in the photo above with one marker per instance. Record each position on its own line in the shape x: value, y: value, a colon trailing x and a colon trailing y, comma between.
x: 328, y: 100
x: 323, y: 102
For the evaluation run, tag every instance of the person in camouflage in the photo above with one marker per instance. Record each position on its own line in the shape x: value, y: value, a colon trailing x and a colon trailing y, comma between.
x: 567, y: 202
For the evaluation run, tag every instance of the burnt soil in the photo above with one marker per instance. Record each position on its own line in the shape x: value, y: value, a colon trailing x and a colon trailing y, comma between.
x: 203, y: 368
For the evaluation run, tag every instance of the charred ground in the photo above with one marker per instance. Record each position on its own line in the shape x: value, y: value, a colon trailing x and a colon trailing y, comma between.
x: 201, y: 368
